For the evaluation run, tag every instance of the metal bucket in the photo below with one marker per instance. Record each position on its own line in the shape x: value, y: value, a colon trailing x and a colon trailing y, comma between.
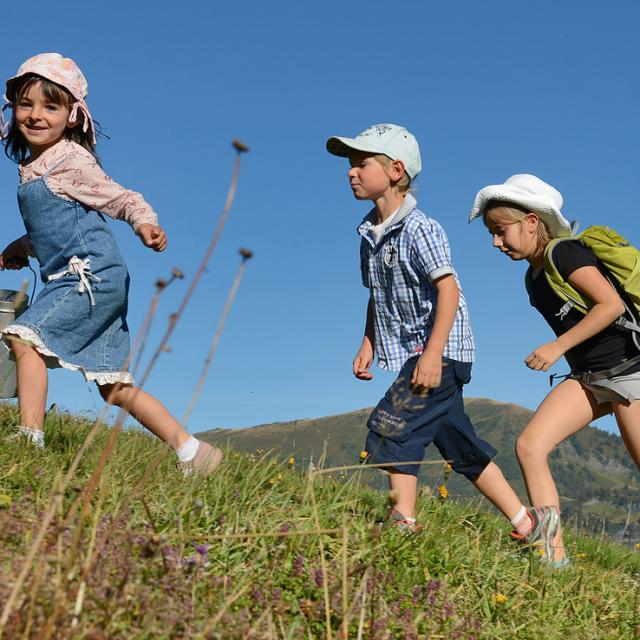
x: 12, y: 304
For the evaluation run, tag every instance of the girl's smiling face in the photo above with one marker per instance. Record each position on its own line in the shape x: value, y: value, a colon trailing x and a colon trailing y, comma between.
x: 40, y: 121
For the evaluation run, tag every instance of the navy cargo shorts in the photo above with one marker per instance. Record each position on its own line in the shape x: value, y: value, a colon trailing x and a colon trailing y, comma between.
x: 407, y: 420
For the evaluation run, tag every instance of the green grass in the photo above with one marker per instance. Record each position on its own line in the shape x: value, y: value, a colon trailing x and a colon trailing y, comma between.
x: 240, y: 555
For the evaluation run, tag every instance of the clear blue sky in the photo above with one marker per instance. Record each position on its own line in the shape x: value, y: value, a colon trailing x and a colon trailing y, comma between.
x: 489, y: 89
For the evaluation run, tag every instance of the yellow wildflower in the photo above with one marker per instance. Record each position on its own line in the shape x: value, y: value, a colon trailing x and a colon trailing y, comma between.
x: 581, y: 556
x: 500, y: 598
x: 5, y: 501
x: 638, y: 547
x: 442, y: 490
x: 364, y: 455
x: 448, y: 468
x: 292, y: 461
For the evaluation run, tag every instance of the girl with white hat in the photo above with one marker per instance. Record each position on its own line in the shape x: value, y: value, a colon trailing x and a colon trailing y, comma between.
x: 523, y: 216
x: 78, y: 320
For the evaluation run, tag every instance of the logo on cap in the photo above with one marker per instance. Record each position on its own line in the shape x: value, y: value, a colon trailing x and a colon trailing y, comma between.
x: 379, y: 129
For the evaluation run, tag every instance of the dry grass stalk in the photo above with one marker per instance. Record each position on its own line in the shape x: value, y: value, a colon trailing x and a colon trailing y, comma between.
x: 225, y: 606
x: 161, y: 285
x: 381, y: 465
x: 323, y: 564
x: 363, y: 604
x: 175, y: 317
x: 345, y: 583
x: 244, y: 536
x: 246, y: 255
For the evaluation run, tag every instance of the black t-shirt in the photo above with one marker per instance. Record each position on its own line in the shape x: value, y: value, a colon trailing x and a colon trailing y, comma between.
x: 606, y: 349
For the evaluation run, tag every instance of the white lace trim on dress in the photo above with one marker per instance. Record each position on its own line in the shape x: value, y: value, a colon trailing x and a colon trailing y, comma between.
x: 52, y: 360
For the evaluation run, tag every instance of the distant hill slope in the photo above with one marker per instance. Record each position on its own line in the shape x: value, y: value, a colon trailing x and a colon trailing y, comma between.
x: 594, y: 473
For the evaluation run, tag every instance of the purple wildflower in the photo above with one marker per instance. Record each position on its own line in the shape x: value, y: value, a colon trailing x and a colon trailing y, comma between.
x: 298, y: 565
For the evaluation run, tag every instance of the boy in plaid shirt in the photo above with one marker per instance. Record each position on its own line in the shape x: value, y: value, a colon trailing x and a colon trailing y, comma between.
x: 418, y: 324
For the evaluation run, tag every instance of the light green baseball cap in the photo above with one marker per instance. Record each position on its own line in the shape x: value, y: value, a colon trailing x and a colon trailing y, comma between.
x: 390, y: 140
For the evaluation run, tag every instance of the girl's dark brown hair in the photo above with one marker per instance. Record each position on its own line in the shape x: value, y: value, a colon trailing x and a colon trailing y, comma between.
x: 16, y: 146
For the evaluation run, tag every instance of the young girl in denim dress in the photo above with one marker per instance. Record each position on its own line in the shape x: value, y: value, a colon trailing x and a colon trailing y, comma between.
x: 78, y: 320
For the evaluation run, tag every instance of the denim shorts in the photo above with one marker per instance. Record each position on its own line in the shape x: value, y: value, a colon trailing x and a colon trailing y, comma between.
x: 406, y: 421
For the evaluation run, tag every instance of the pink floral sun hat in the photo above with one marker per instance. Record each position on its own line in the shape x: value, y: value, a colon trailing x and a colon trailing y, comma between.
x: 62, y: 71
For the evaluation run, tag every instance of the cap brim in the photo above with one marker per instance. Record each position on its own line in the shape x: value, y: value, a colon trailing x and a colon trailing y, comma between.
x: 344, y: 147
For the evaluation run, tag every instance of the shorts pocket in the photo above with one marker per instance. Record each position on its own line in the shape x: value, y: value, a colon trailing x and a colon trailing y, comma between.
x: 405, y: 409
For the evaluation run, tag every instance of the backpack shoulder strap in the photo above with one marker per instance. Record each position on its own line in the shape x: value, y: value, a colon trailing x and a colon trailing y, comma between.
x: 563, y: 289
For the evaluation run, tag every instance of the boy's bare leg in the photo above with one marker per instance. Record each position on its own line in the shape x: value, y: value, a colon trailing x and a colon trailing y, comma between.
x: 566, y: 410
x: 404, y: 488
x: 628, y: 419
x: 148, y: 411
x: 493, y: 485
x: 32, y: 384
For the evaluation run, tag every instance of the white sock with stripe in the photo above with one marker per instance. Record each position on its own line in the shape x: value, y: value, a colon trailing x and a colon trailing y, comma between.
x: 522, y: 522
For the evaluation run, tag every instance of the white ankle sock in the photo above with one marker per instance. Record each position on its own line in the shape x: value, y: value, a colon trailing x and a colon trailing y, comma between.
x: 187, y: 451
x: 35, y: 436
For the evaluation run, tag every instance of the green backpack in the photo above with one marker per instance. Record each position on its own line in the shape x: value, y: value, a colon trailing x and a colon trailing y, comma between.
x: 620, y: 259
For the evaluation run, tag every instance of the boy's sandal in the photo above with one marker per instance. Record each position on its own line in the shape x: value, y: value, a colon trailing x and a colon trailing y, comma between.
x: 402, y: 524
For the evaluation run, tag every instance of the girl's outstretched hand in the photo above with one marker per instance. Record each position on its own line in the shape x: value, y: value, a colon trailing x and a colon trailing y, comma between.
x: 543, y: 357
x: 15, y: 255
x: 153, y: 236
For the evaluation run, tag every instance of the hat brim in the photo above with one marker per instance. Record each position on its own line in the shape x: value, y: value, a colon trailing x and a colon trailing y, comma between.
x: 544, y: 207
x: 345, y: 147
x: 9, y: 92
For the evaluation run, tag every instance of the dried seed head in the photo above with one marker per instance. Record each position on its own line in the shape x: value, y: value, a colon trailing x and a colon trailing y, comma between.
x: 240, y: 147
x: 245, y: 253
x: 177, y: 273
x: 161, y: 283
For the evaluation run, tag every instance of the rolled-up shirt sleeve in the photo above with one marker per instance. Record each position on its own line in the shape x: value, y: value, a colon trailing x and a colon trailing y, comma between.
x: 81, y: 178
x: 430, y: 251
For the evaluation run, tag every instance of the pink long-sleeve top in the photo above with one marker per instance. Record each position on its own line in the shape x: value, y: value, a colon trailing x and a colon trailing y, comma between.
x: 76, y: 175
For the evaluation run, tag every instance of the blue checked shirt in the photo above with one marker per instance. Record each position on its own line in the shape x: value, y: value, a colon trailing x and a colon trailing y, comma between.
x: 399, y: 270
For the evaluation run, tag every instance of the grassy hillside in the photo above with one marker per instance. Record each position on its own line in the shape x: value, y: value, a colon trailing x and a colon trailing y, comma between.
x: 595, y: 475
x: 264, y: 550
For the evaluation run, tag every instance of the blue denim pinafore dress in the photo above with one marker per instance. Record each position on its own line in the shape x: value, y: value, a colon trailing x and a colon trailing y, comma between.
x: 78, y: 320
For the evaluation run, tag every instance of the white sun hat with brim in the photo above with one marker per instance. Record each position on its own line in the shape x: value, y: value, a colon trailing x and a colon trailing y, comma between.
x: 531, y: 193
x: 389, y: 140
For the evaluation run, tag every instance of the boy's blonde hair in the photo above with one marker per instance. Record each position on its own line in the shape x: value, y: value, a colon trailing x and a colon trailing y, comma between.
x: 497, y: 212
x: 404, y: 184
